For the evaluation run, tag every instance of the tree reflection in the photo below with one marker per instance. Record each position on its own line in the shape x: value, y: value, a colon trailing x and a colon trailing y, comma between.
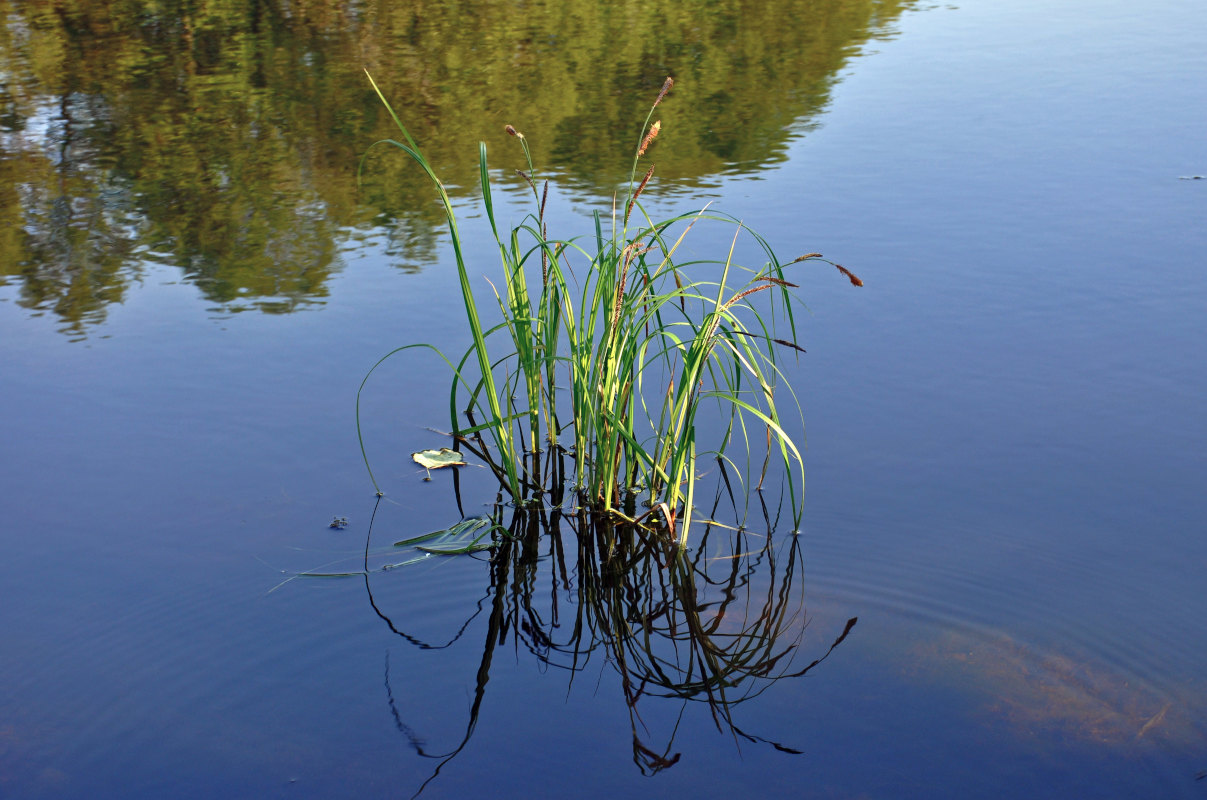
x: 717, y: 625
x: 222, y: 139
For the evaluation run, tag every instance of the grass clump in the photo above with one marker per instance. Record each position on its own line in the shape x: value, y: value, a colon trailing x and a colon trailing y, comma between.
x: 592, y: 383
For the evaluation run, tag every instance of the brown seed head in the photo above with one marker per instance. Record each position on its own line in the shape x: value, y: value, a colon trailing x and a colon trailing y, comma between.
x: 778, y: 282
x: 513, y: 132
x: 649, y: 137
x: 746, y: 293
x: 855, y: 281
x: 649, y: 174
x: 787, y: 343
x: 666, y: 87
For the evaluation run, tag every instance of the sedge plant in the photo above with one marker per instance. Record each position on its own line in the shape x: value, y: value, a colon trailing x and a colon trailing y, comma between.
x: 608, y: 345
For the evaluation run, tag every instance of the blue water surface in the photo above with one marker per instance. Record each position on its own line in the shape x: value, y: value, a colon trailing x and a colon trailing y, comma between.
x: 1005, y: 473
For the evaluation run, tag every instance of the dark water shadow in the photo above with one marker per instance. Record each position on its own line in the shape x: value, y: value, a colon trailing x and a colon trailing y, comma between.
x: 719, y: 624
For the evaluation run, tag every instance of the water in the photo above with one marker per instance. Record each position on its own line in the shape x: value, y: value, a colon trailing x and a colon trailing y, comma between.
x: 1005, y: 436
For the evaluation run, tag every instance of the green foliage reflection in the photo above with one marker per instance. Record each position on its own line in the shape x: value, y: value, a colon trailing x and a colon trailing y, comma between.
x: 222, y: 138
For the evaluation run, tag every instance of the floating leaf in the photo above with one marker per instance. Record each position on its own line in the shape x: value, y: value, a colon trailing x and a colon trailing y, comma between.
x: 457, y: 537
x: 454, y: 550
x: 426, y: 537
x: 467, y: 536
x: 435, y: 459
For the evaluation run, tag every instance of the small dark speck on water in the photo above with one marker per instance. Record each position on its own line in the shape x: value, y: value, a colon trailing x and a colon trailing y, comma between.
x: 339, y: 523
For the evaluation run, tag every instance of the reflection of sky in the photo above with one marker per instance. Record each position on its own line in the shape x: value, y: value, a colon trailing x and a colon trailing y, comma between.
x: 38, y: 131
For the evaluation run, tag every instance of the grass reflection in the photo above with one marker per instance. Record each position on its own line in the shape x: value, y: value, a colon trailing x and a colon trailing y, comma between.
x: 718, y: 625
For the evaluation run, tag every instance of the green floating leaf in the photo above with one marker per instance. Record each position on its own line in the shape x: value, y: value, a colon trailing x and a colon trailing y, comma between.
x: 435, y: 459
x: 427, y: 537
x: 453, y: 550
x: 463, y: 537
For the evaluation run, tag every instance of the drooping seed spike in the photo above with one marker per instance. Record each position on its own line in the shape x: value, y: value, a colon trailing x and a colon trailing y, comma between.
x: 513, y: 132
x: 805, y: 257
x: 787, y: 343
x: 854, y: 279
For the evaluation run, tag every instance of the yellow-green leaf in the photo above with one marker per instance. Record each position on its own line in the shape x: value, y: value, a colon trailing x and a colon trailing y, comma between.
x: 435, y: 459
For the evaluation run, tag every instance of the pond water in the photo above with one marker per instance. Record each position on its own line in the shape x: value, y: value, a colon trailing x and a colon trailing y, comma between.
x: 1006, y: 433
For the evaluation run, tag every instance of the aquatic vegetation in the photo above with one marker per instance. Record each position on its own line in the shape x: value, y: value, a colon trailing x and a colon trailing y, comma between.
x: 1059, y: 690
x: 607, y: 370
x: 608, y: 346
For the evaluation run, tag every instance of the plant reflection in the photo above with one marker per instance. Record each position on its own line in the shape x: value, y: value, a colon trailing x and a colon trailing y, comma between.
x: 718, y: 625
x: 222, y: 139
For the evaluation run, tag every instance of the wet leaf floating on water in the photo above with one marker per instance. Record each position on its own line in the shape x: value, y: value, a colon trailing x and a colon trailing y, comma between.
x: 467, y: 536
x: 472, y: 535
x: 436, y: 459
x: 454, y: 550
